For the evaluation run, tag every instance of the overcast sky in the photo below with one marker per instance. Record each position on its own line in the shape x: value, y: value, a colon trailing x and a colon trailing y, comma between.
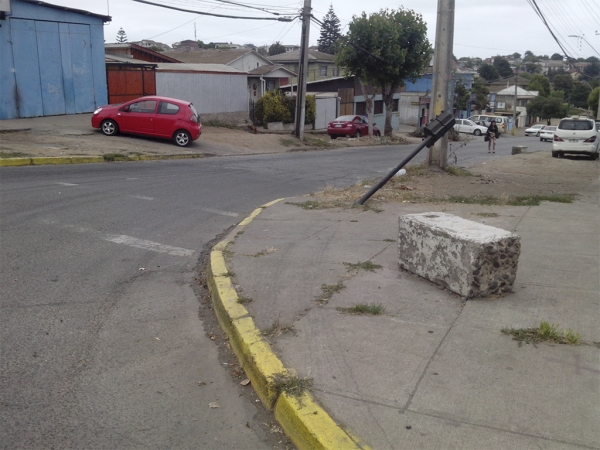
x: 482, y: 28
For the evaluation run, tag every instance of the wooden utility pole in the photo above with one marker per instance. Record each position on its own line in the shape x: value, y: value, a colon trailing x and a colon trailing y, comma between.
x: 302, y: 70
x: 514, y: 122
x: 442, y: 76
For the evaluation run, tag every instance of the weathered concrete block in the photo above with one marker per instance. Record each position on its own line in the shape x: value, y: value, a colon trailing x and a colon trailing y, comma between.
x: 518, y: 149
x: 466, y: 257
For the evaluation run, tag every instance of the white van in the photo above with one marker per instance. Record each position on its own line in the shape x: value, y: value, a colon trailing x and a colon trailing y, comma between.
x: 486, y: 119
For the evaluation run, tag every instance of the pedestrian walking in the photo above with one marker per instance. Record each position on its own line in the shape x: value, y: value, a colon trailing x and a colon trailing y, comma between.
x: 492, y: 135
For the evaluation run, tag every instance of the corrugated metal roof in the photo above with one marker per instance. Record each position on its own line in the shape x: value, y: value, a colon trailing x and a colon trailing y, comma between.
x: 294, y: 56
x: 65, y: 8
x: 122, y: 59
x: 208, y: 56
x: 264, y: 70
x: 200, y: 68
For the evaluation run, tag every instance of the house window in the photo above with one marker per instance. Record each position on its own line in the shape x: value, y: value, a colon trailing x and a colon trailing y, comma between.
x: 395, y: 105
x: 270, y: 85
x: 378, y: 109
x: 361, y: 108
x: 322, y: 71
x: 335, y: 72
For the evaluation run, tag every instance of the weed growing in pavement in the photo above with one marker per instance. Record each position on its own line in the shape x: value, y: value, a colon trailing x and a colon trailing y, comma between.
x: 458, y: 171
x: 13, y: 155
x: 389, y: 240
x: 367, y: 265
x: 268, y: 251
x: 534, y: 200
x: 291, y: 385
x: 114, y: 157
x: 328, y: 290
x: 229, y: 273
x: 313, y: 141
x: 364, y: 308
x: 546, y: 332
x: 277, y: 329
x: 219, y: 124
x: 243, y: 300
x: 487, y: 214
x: 227, y: 252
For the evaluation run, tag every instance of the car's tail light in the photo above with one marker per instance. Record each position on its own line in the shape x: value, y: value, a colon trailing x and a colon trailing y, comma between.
x: 557, y: 139
x: 592, y: 139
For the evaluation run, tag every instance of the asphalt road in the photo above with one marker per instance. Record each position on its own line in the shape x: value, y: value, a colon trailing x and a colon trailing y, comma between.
x: 102, y: 344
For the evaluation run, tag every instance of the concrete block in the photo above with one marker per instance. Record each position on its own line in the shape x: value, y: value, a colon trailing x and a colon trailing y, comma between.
x: 466, y: 257
x: 518, y: 149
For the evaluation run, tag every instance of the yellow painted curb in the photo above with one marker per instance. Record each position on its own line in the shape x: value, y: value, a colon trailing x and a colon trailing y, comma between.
x: 13, y: 162
x: 303, y: 420
x: 310, y: 425
x: 39, y: 160
x: 86, y: 159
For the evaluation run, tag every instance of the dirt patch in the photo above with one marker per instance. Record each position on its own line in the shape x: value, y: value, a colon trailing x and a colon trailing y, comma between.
x: 518, y: 179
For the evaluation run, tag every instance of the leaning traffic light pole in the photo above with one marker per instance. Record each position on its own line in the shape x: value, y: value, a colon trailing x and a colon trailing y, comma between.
x: 433, y: 131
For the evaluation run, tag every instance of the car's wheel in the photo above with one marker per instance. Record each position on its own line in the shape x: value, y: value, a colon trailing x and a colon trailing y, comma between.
x: 477, y: 132
x: 554, y: 154
x: 537, y: 134
x: 542, y: 139
x: 109, y: 127
x: 594, y: 156
x: 333, y: 136
x: 182, y: 138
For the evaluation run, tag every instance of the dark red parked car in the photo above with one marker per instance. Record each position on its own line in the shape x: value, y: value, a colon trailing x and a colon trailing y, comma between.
x: 353, y: 126
x: 153, y: 116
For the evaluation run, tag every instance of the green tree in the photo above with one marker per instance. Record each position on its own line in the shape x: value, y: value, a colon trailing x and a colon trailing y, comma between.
x: 556, y: 57
x: 546, y: 108
x: 502, y: 66
x: 563, y: 82
x: 488, y: 72
x: 276, y: 48
x: 121, y: 36
x: 384, y: 50
x: 580, y: 95
x: 263, y: 50
x: 330, y: 32
x: 593, y: 69
x: 461, y: 96
x: 529, y: 57
x: 480, y: 92
x: 593, y: 99
x: 516, y: 55
x: 539, y: 83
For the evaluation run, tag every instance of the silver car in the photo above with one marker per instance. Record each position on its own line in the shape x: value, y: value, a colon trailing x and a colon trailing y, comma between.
x: 547, y: 133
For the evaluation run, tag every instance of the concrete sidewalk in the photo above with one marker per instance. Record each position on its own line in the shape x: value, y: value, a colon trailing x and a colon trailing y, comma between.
x: 433, y: 371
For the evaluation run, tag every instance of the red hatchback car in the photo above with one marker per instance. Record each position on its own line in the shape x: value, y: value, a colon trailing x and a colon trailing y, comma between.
x: 161, y: 117
x: 353, y: 126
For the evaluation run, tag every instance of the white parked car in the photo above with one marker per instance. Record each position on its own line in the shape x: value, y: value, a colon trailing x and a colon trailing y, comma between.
x: 468, y: 126
x: 547, y: 133
x: 578, y: 136
x: 534, y: 130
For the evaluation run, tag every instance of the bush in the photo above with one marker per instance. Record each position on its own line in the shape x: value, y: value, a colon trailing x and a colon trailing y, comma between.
x: 275, y: 106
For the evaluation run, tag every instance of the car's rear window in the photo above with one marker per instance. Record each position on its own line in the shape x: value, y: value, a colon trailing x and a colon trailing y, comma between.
x: 575, y: 125
x: 345, y: 119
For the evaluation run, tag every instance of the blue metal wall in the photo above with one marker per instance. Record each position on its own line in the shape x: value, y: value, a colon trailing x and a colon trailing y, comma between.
x: 51, y: 62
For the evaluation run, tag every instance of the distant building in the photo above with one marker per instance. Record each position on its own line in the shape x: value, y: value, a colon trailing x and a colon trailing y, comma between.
x: 148, y: 43
x: 138, y: 52
x: 321, y: 65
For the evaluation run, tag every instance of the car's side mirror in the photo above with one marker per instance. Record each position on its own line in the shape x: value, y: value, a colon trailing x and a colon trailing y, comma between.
x: 125, y: 109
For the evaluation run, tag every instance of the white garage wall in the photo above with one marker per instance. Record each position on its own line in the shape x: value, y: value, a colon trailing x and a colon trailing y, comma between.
x: 210, y: 93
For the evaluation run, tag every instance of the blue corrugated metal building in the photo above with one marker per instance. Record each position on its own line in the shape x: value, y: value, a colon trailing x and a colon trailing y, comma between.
x: 51, y: 60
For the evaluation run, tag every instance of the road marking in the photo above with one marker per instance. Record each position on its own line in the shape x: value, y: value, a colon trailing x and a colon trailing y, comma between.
x: 148, y: 245
x: 141, y: 197
x: 223, y: 213
x: 67, y: 184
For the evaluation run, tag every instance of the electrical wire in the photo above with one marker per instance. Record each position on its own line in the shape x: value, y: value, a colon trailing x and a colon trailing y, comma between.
x: 280, y: 19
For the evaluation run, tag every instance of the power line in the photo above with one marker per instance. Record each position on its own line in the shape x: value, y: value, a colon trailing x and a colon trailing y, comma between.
x: 280, y: 19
